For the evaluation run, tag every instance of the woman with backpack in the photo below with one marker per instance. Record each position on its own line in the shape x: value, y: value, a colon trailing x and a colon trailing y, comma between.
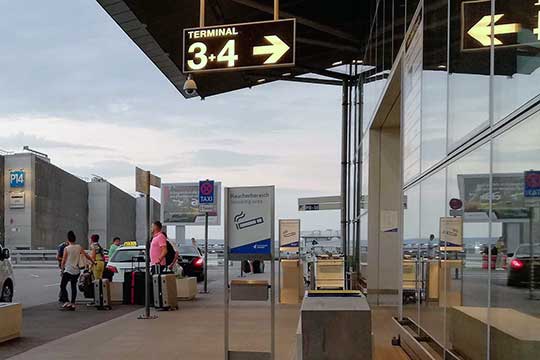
x: 98, y: 257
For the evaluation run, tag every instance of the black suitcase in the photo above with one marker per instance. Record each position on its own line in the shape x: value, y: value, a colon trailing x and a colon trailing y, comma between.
x: 258, y: 266
x: 246, y: 267
x: 133, y: 289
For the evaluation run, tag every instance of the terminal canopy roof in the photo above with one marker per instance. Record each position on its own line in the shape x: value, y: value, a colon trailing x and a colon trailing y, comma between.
x: 327, y: 32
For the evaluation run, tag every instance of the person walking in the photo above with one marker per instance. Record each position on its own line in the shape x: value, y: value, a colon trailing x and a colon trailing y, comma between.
x: 158, y: 247
x: 115, y: 245
x: 70, y: 271
x: 98, y: 257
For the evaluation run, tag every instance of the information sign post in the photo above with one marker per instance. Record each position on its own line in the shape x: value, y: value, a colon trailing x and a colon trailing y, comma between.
x: 249, y: 235
x: 207, y: 204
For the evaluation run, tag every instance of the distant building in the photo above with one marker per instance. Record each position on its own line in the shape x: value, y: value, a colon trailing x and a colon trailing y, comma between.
x: 42, y: 202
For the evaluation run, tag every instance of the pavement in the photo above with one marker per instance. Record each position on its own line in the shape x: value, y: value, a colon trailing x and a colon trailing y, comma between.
x: 196, y: 330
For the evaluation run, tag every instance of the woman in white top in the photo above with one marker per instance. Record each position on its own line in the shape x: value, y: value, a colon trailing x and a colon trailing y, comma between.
x: 71, y: 271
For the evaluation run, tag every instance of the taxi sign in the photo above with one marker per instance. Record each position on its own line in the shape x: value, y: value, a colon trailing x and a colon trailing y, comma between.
x: 254, y: 45
x: 130, y: 244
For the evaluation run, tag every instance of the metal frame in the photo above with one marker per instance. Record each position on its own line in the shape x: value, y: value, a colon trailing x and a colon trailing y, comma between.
x: 243, y: 257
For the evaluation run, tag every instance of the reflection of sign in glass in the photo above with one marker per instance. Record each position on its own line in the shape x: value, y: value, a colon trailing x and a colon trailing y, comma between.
x: 532, y: 184
x: 507, y: 196
x: 515, y: 23
x: 451, y: 231
x: 239, y: 46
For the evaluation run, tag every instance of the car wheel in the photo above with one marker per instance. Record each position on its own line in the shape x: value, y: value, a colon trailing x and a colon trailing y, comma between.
x: 200, y: 278
x: 7, y: 293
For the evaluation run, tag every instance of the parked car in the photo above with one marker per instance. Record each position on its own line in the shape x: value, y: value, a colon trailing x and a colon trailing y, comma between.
x: 7, y: 283
x: 192, y: 261
x: 519, y: 269
x: 125, y: 259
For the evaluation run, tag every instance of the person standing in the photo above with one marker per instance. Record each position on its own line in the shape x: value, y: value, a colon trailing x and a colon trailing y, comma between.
x: 158, y: 247
x: 60, y: 252
x: 70, y: 270
x: 98, y: 257
x: 115, y: 245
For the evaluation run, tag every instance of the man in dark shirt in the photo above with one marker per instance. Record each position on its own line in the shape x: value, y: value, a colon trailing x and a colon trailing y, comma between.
x: 60, y: 252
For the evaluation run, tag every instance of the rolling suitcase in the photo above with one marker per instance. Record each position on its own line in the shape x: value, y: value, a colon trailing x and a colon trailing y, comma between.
x: 258, y: 266
x: 165, y: 295
x: 102, y: 294
x: 134, y: 288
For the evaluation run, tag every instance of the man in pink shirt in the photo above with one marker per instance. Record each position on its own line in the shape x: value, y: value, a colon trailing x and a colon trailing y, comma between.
x: 158, y: 246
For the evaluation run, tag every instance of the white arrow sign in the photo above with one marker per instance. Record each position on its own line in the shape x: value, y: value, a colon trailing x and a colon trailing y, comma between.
x: 481, y: 31
x: 276, y: 50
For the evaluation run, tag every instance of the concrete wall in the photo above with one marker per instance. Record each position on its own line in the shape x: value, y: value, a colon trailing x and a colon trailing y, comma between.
x: 18, y: 222
x: 122, y: 215
x: 142, y: 223
x: 60, y: 206
x: 111, y: 212
x: 384, y: 246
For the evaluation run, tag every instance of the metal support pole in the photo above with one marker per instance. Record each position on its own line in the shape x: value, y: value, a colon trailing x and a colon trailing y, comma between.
x: 531, y: 253
x: 226, y: 276
x: 276, y: 9
x: 202, y: 15
x: 206, y: 252
x: 273, y: 282
x: 147, y: 257
x: 344, y: 205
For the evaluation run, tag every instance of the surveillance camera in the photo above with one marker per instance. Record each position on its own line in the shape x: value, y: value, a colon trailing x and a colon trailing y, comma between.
x: 190, y: 86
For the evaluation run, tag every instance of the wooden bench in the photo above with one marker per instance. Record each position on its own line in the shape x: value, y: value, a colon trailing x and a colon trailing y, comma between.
x: 514, y: 335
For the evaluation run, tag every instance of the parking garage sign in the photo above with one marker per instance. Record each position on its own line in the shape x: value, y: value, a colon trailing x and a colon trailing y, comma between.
x: 16, y: 179
x: 254, y: 45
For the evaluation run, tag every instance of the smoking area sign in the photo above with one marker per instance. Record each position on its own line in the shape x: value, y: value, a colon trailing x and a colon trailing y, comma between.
x: 254, y: 45
x: 289, y: 234
x: 249, y: 213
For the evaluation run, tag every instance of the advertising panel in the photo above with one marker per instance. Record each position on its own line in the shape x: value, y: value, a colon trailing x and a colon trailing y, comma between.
x: 180, y: 205
x: 249, y: 217
x: 289, y: 234
x: 451, y: 229
x: 508, y: 201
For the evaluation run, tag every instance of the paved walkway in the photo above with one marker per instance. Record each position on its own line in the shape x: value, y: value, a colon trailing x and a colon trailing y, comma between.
x: 193, y: 332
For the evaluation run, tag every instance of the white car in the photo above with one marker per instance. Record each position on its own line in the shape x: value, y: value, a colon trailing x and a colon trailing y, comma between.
x: 125, y: 259
x: 7, y: 284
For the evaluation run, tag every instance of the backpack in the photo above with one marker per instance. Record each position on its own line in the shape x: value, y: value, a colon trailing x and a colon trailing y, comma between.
x: 171, y: 254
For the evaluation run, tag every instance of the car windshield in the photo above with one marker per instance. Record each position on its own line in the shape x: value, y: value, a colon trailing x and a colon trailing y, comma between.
x: 128, y: 255
x: 188, y: 251
x: 525, y: 250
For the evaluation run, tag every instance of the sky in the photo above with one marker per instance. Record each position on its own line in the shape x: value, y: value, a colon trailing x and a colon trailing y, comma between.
x: 75, y: 87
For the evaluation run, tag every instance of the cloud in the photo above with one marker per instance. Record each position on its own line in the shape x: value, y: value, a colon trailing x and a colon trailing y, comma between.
x: 20, y: 139
x: 225, y: 158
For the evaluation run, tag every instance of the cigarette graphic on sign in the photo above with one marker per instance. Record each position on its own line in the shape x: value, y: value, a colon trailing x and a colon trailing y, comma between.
x: 244, y: 224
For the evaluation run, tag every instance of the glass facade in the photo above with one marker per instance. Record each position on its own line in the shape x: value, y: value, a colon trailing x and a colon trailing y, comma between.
x: 469, y: 122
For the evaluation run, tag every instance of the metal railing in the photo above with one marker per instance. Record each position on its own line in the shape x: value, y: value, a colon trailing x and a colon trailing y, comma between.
x: 33, y: 256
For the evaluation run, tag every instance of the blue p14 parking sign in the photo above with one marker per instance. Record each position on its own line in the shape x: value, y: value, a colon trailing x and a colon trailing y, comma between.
x: 16, y: 179
x: 206, y: 192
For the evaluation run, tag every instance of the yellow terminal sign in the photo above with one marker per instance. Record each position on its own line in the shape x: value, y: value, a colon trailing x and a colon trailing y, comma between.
x: 514, y: 23
x: 481, y: 31
x: 262, y: 44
